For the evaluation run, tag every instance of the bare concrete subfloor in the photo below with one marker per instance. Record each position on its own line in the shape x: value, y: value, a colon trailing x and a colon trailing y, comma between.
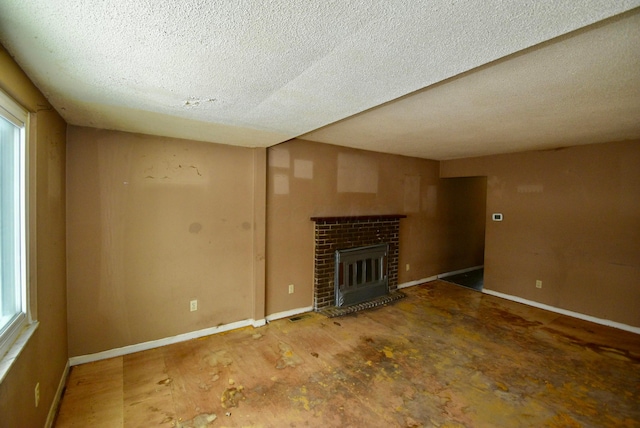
x: 445, y: 356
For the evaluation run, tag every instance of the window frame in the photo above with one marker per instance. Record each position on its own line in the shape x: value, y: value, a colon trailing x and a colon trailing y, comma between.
x: 15, y: 334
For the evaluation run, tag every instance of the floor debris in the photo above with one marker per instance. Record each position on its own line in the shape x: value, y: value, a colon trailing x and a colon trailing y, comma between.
x: 200, y: 421
x: 231, y: 397
x: 444, y: 356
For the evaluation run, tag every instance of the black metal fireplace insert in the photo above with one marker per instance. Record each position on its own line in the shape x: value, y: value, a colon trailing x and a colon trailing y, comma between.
x: 361, y: 274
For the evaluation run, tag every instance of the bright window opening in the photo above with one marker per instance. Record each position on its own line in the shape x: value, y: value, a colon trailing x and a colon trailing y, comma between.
x: 13, y: 215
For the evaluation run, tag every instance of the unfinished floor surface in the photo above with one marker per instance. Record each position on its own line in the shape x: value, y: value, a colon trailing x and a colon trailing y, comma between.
x: 445, y: 356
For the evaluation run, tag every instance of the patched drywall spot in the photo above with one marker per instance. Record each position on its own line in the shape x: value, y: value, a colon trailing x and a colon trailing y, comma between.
x: 195, y: 227
x: 496, y: 186
x: 430, y: 201
x: 357, y: 174
x: 411, y: 193
x: 279, y: 158
x: 165, y: 169
x: 530, y: 188
x: 281, y: 184
x: 303, y: 169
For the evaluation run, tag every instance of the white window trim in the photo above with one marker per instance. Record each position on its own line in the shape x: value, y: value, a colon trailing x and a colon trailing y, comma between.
x: 16, y: 336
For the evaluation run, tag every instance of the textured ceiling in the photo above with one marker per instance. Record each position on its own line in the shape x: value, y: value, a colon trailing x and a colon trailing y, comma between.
x: 258, y: 73
x: 580, y: 89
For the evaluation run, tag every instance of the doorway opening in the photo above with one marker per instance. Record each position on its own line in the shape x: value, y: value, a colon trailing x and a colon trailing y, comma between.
x: 473, y: 279
x: 466, y: 214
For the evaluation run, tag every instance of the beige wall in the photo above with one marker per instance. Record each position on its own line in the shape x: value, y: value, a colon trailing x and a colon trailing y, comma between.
x: 443, y: 230
x: 571, y: 219
x: 152, y: 224
x: 155, y: 222
x: 44, y: 358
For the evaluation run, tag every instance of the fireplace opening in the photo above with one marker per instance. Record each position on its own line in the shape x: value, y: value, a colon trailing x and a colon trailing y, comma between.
x: 354, y: 270
x: 361, y: 274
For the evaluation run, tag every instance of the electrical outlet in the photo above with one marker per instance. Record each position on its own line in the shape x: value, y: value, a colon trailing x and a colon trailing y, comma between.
x: 37, y: 393
x: 407, y: 267
x: 193, y: 305
x: 291, y: 288
x: 538, y: 283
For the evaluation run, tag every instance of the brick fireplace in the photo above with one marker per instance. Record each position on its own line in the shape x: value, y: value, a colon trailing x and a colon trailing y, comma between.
x: 341, y: 233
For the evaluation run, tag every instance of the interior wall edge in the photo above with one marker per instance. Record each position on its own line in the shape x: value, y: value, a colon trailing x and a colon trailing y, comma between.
x: 53, y: 410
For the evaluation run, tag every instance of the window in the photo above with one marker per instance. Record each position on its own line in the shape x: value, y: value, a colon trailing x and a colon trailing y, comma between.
x: 14, y: 306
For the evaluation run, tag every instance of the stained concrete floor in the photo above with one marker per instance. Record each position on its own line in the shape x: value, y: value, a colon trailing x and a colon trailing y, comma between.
x: 445, y: 356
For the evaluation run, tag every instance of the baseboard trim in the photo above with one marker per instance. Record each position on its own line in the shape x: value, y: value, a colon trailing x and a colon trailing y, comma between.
x: 130, y: 349
x: 53, y: 410
x: 561, y: 311
x: 259, y: 323
x: 434, y: 277
x: 417, y: 282
x: 290, y: 313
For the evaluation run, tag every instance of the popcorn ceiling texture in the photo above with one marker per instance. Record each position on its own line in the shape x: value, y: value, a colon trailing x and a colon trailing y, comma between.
x: 258, y: 73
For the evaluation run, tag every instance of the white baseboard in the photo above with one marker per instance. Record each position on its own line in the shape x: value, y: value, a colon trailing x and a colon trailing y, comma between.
x: 434, y: 277
x: 417, y: 282
x: 578, y: 315
x: 53, y: 410
x: 82, y: 359
x: 289, y: 313
x: 259, y: 323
